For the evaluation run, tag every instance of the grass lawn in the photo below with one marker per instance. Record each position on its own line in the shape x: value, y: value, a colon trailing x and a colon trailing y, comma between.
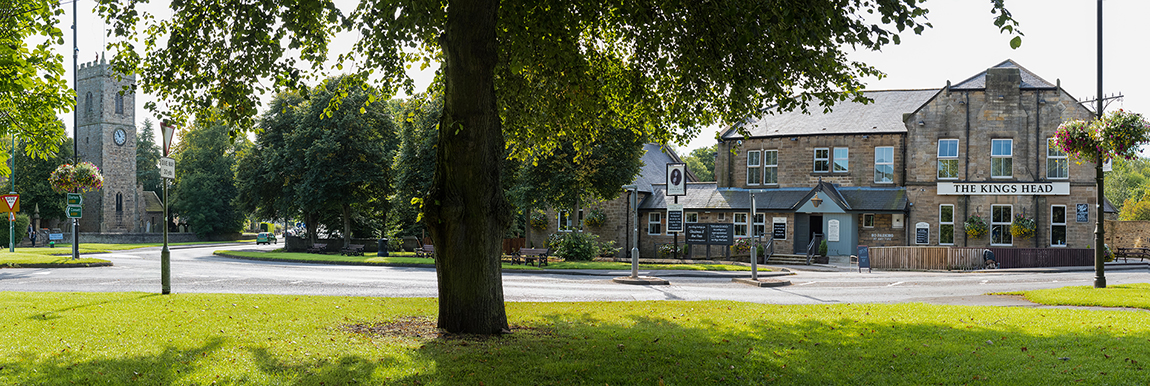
x: 200, y: 339
x: 1122, y: 295
x: 408, y: 258
x: 40, y: 255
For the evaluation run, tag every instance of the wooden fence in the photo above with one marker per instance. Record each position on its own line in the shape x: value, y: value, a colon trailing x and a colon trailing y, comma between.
x: 932, y: 258
x: 1043, y: 257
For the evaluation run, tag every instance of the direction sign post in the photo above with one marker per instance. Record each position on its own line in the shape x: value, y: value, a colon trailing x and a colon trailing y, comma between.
x: 75, y: 199
x: 167, y: 172
x: 75, y: 211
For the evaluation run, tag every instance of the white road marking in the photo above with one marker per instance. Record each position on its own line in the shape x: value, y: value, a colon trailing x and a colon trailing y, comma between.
x: 809, y: 282
x: 984, y: 282
x: 42, y: 273
x: 894, y: 284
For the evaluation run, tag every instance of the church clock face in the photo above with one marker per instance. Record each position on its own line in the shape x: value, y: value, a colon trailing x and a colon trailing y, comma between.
x: 119, y: 136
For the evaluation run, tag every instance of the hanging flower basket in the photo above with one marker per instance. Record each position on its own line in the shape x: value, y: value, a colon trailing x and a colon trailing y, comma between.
x: 1023, y: 227
x: 82, y: 177
x: 1117, y: 135
x: 539, y: 219
x: 596, y: 218
x: 975, y: 226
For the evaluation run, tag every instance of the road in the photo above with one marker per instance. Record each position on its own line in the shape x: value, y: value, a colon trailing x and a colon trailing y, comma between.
x: 195, y: 269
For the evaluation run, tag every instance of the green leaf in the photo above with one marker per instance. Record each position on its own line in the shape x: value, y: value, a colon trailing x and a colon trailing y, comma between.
x: 1016, y: 42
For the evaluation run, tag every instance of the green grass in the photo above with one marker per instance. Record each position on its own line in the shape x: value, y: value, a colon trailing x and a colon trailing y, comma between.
x: 1122, y: 295
x: 40, y: 255
x: 405, y: 259
x: 226, y: 339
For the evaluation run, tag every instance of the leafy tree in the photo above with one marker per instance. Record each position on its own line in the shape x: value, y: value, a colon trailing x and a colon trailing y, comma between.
x: 205, y: 180
x: 1135, y: 210
x: 334, y: 165
x: 32, y: 182
x: 418, y: 121
x: 527, y: 77
x: 347, y: 151
x: 148, y: 158
x: 1128, y: 181
x: 564, y: 177
x: 33, y: 88
x: 701, y: 161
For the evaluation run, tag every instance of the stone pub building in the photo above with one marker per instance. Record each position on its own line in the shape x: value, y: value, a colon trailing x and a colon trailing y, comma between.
x: 907, y: 169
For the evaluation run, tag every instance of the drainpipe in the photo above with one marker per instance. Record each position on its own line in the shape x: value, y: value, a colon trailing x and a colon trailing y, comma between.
x: 634, y: 189
x: 1037, y: 154
x: 966, y: 170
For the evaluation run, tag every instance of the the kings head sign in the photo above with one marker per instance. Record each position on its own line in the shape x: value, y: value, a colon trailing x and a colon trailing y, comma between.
x: 1004, y: 188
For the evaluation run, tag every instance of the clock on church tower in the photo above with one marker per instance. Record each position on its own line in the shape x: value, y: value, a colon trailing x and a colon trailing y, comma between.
x: 106, y: 137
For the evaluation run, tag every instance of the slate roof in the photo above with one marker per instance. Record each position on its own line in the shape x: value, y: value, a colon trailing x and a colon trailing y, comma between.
x: 654, y: 170
x: 152, y: 202
x: 1029, y: 79
x: 883, y: 115
x: 707, y: 196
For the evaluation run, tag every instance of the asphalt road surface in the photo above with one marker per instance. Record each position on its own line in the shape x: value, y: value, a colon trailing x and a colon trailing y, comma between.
x: 195, y: 269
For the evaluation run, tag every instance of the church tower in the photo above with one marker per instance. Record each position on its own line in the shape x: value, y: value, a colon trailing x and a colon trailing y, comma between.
x: 106, y: 137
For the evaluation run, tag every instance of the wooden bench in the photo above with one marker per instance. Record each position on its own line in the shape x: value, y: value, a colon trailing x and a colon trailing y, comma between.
x: 352, y: 250
x: 317, y: 248
x: 1132, y: 253
x: 531, y: 256
x: 426, y: 251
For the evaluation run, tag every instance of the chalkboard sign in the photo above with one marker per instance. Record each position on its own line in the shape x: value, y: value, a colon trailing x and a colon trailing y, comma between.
x: 696, y: 234
x: 922, y: 233
x: 780, y: 230
x: 1083, y: 213
x: 720, y: 234
x: 864, y: 258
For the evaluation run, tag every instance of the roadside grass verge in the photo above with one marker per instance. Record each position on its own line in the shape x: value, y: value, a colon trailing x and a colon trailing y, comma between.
x: 1123, y: 295
x: 404, y: 260
x: 199, y: 339
x: 38, y: 256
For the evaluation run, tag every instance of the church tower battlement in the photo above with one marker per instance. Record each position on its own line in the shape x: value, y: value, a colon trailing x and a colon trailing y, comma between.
x: 106, y: 137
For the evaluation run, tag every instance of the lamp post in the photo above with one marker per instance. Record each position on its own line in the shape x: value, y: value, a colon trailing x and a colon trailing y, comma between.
x: 1100, y: 231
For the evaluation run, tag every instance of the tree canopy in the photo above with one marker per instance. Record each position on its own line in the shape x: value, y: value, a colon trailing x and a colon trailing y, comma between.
x: 33, y: 89
x: 701, y: 161
x: 519, y: 77
x: 205, y: 180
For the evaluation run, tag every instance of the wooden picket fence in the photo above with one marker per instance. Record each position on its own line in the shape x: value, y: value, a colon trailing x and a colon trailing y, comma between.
x: 926, y: 258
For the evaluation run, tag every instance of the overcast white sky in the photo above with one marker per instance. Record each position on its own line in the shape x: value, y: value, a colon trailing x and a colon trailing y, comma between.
x: 1059, y: 44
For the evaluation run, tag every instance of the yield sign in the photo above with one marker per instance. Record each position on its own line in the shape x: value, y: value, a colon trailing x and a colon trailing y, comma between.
x: 168, y: 131
x: 12, y: 201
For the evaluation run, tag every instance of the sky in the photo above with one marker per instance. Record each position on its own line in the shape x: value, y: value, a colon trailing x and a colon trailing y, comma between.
x: 1059, y: 44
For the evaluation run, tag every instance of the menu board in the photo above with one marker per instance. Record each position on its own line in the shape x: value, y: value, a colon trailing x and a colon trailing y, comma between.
x: 720, y: 234
x: 864, y: 258
x: 780, y: 230
x: 1083, y: 213
x: 922, y: 233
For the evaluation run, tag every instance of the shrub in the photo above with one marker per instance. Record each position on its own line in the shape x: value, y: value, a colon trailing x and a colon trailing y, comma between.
x: 823, y: 248
x: 607, y: 249
x: 575, y: 246
x: 21, y: 230
x: 668, y: 250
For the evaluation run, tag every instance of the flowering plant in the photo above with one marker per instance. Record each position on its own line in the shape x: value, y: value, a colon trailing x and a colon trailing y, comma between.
x: 539, y: 219
x: 668, y: 250
x: 975, y: 226
x: 596, y: 218
x: 82, y: 177
x: 743, y: 245
x: 1117, y: 135
x: 1023, y: 227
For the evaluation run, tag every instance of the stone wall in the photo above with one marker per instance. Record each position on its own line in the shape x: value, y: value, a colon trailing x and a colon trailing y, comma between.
x: 1127, y: 234
x: 796, y: 160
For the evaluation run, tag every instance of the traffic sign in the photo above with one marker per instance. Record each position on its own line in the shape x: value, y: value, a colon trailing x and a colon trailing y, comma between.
x: 168, y: 131
x: 12, y: 202
x: 167, y: 168
x: 75, y: 211
x: 75, y: 199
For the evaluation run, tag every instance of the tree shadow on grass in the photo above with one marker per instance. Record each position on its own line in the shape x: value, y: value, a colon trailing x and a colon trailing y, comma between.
x: 736, y: 343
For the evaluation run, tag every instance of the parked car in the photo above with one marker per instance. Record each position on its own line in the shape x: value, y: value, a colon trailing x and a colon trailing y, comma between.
x: 266, y: 238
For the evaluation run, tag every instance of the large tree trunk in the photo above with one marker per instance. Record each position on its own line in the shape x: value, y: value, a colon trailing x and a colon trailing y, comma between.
x: 466, y: 209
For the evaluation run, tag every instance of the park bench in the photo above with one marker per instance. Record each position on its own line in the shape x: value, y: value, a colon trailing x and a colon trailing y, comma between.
x: 427, y: 250
x: 317, y: 248
x: 1132, y: 253
x: 531, y: 256
x: 352, y: 250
